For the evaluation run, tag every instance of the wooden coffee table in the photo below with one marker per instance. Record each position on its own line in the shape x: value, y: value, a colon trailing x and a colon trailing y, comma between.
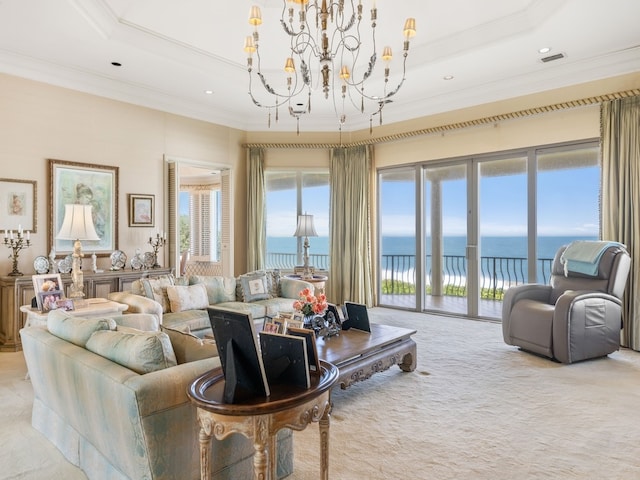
x: 358, y: 354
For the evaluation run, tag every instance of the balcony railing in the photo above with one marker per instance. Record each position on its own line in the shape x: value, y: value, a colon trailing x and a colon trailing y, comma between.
x: 496, y: 274
x: 398, y: 272
x: 287, y: 261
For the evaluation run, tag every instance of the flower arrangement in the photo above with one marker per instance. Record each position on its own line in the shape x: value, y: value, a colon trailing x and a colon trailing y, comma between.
x: 310, y: 304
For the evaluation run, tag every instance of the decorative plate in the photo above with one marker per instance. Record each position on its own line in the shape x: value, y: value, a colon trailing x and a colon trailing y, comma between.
x: 148, y: 259
x: 41, y: 264
x: 136, y: 262
x: 65, y: 264
x: 118, y: 259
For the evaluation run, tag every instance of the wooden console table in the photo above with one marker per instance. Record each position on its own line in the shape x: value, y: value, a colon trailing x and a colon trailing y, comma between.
x: 18, y: 291
x: 260, y: 419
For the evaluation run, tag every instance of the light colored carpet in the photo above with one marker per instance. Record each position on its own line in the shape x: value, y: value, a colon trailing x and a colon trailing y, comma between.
x: 475, y: 408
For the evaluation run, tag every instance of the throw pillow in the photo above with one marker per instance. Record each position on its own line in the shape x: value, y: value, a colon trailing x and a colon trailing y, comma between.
x: 273, y: 281
x: 156, y: 289
x: 141, y: 352
x: 191, y: 297
x: 188, y: 347
x: 219, y: 289
x: 76, y: 330
x: 254, y: 287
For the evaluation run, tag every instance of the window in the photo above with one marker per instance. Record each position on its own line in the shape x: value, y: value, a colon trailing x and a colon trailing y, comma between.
x: 200, y: 215
x: 289, y: 194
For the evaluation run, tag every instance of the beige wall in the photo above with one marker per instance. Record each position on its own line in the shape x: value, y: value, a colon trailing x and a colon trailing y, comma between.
x: 38, y: 121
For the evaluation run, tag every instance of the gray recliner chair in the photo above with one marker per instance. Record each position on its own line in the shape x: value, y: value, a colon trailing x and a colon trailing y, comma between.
x: 576, y: 317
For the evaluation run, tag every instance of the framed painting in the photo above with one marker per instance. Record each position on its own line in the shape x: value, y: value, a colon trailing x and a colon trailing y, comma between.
x: 95, y: 185
x: 18, y: 199
x: 141, y: 210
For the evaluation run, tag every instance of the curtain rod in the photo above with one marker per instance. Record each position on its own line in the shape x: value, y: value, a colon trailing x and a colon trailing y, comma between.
x: 459, y: 125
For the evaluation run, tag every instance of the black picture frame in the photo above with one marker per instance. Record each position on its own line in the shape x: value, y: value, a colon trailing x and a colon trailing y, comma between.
x: 310, y: 342
x: 285, y: 359
x: 240, y: 356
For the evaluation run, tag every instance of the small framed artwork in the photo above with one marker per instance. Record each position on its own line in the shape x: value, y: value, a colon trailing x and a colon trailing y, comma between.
x: 49, y: 300
x: 270, y: 327
x: 45, y: 284
x: 65, y: 304
x: 141, y: 210
x: 18, y: 199
x: 291, y: 323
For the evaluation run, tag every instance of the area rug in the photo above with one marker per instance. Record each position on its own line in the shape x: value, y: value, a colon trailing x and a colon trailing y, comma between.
x: 475, y: 408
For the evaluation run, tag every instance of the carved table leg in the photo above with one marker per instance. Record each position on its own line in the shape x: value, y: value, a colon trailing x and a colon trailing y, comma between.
x: 205, y: 438
x: 323, y: 425
x: 261, y: 444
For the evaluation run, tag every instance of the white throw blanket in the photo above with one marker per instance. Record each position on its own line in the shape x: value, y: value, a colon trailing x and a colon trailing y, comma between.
x: 583, y: 256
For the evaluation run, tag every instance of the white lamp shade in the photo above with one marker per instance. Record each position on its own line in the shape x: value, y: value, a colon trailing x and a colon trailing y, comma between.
x: 305, y: 227
x: 77, y: 223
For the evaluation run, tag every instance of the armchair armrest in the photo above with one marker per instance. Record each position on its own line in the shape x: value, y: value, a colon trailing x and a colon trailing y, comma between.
x: 291, y: 287
x: 592, y: 317
x: 530, y: 291
x: 137, y: 303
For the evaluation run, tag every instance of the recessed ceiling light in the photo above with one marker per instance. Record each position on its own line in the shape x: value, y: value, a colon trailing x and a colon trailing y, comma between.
x: 448, y: 77
x: 116, y: 64
x: 209, y: 92
x: 544, y: 50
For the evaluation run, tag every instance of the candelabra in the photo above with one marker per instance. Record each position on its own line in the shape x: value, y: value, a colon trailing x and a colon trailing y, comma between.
x: 16, y: 244
x: 156, y: 243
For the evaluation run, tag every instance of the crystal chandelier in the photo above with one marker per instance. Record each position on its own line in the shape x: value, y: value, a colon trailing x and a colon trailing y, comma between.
x: 325, y: 52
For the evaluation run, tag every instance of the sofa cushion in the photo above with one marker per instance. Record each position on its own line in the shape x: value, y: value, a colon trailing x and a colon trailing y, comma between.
x: 142, y: 352
x: 188, y: 347
x: 156, y: 289
x: 254, y: 286
x: 195, y: 320
x: 219, y: 289
x: 190, y: 297
x: 74, y: 329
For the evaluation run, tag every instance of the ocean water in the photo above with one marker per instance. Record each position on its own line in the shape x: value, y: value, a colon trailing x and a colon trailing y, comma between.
x: 511, y: 247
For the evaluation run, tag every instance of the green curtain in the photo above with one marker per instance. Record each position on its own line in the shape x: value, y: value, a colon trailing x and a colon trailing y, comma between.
x: 256, y: 226
x: 620, y: 120
x: 350, y: 238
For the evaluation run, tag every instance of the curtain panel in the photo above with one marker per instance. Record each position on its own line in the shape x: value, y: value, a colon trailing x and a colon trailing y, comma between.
x: 350, y: 177
x: 256, y: 215
x: 620, y: 145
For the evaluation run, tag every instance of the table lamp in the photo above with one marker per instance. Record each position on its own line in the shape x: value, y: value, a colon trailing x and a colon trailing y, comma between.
x: 77, y: 225
x: 305, y: 229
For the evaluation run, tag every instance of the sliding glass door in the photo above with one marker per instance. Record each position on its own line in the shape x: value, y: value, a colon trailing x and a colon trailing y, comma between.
x: 455, y: 235
x: 445, y: 245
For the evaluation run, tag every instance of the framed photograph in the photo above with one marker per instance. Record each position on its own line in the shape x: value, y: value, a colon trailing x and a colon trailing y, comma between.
x: 95, y: 185
x: 18, y: 200
x: 50, y: 299
x: 310, y: 342
x: 294, y: 323
x: 65, y: 304
x: 141, y: 210
x: 270, y: 327
x: 43, y: 284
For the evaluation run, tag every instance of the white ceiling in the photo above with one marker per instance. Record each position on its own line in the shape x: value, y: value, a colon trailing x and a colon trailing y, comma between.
x: 172, y: 51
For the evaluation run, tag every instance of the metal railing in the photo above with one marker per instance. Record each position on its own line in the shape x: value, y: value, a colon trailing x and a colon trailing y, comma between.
x: 287, y: 261
x: 398, y: 277
x: 496, y: 274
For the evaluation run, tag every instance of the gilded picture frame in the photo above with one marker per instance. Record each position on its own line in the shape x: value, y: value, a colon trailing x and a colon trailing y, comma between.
x: 97, y: 185
x: 141, y: 210
x: 18, y: 201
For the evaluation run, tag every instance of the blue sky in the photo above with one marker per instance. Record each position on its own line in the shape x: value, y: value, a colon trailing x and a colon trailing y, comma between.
x: 567, y: 205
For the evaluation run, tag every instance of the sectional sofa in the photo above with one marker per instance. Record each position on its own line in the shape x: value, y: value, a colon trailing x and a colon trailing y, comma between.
x: 113, y: 400
x: 181, y: 303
